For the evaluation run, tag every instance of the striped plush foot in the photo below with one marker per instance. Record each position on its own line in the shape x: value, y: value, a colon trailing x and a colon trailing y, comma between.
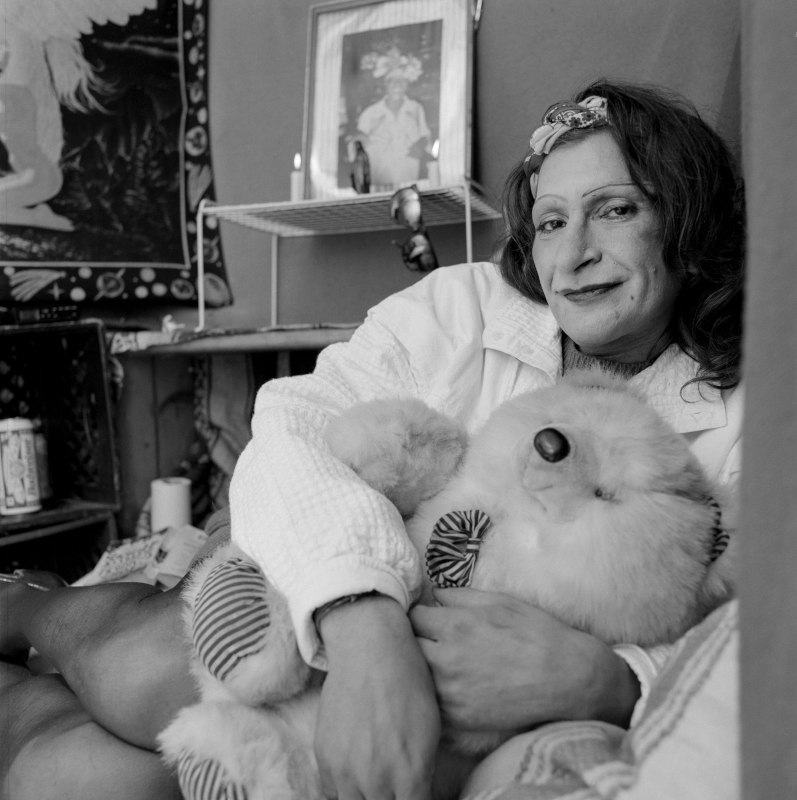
x: 228, y: 751
x: 206, y: 779
x: 241, y: 632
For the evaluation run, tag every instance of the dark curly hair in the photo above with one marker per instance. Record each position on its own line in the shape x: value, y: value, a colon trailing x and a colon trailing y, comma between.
x: 689, y: 175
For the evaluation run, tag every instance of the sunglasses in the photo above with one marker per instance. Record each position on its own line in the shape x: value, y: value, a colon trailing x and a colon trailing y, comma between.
x: 417, y: 252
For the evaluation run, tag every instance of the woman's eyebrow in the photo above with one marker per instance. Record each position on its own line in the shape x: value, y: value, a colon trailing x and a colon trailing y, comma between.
x: 553, y: 196
x: 549, y: 195
x: 608, y: 186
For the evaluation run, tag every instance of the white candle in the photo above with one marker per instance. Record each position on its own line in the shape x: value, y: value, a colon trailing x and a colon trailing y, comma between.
x: 433, y: 167
x: 297, y: 179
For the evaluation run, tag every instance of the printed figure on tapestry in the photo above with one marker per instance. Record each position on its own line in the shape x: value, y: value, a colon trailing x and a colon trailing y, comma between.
x: 105, y: 153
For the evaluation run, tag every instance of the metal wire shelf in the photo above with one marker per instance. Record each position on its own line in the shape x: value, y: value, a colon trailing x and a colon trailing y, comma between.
x: 360, y: 214
x: 466, y: 202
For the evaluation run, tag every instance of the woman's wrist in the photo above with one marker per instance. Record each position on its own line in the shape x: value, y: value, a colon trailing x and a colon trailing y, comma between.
x: 320, y: 613
x: 356, y: 617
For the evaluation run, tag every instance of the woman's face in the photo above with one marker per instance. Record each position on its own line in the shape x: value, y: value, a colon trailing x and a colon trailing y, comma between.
x: 598, y: 252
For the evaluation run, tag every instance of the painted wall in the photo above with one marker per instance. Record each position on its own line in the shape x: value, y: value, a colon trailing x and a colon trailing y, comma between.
x: 527, y: 55
x: 768, y: 535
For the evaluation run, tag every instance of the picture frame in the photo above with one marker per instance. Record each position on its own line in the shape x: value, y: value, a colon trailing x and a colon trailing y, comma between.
x: 395, y: 75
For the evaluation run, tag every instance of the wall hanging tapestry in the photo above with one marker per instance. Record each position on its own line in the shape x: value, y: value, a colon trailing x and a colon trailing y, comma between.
x: 105, y: 153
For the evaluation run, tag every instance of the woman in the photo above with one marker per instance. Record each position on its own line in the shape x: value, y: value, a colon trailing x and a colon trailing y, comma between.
x: 623, y: 248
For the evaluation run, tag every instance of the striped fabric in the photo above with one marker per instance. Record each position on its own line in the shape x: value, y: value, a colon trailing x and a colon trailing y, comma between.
x: 205, y: 780
x: 454, y: 547
x: 230, y: 616
x: 720, y: 537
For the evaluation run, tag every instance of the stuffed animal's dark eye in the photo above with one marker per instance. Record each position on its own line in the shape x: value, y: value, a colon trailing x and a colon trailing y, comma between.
x: 598, y: 493
x: 552, y: 445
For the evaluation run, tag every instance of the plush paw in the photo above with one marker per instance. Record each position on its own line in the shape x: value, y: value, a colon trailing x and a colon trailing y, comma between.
x: 206, y: 779
x: 227, y: 751
x: 241, y: 632
x: 402, y: 448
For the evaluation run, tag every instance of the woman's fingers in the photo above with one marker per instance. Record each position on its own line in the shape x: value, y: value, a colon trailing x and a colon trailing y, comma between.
x: 501, y: 664
x: 474, y: 598
x: 457, y: 609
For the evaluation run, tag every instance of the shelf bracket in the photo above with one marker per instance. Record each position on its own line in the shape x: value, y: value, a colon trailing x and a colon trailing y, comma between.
x: 274, y: 279
x: 200, y: 263
x: 468, y: 226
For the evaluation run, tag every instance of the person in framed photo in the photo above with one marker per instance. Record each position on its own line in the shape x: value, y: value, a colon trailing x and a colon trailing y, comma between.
x: 394, y: 130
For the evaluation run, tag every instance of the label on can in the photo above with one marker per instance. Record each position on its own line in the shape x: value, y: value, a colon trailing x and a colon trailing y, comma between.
x: 19, y: 481
x: 42, y: 462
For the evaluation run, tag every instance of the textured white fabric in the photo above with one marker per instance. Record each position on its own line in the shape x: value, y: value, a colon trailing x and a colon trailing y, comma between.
x: 464, y: 342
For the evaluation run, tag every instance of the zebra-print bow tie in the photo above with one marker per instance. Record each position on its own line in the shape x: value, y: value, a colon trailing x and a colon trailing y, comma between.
x: 454, y: 547
x: 719, y: 536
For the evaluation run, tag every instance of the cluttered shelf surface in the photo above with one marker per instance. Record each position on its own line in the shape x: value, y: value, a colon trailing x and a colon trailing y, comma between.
x: 210, y: 340
x: 357, y: 214
x: 64, y: 515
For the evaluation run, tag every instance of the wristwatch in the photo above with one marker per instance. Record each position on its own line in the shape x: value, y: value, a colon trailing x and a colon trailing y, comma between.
x: 322, y: 611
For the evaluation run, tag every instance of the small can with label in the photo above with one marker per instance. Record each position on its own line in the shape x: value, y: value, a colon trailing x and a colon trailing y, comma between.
x: 19, y: 480
x: 42, y: 462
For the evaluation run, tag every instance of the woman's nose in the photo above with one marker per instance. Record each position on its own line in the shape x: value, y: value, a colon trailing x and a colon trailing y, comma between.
x: 576, y: 247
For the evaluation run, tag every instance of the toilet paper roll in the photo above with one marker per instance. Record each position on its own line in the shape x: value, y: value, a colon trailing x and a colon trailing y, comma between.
x: 170, y: 505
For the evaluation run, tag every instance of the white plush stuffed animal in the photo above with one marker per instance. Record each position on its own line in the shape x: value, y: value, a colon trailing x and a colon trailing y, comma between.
x: 577, y: 498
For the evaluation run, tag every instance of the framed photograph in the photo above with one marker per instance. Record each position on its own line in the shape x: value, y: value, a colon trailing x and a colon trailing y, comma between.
x: 390, y: 79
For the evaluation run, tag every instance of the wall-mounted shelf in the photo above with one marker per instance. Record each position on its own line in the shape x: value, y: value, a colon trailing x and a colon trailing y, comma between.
x: 465, y: 203
x: 283, y: 339
x: 360, y: 214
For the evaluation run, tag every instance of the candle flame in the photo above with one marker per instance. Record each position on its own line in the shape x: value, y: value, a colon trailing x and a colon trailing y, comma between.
x: 297, y: 161
x: 436, y: 148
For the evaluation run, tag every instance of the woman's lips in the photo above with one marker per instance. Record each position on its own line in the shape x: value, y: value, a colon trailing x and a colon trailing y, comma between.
x: 589, y: 292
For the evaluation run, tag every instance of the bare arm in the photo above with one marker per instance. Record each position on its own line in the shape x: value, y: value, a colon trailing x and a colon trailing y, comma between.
x: 378, y: 723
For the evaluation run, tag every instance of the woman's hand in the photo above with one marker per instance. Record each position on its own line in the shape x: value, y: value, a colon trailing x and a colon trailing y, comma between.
x: 501, y: 664
x: 378, y: 724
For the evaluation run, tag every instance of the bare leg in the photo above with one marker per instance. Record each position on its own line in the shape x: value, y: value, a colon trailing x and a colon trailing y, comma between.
x: 120, y: 648
x: 52, y: 750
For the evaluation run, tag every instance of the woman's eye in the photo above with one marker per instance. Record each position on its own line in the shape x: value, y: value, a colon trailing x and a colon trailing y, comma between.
x: 618, y: 211
x: 550, y: 225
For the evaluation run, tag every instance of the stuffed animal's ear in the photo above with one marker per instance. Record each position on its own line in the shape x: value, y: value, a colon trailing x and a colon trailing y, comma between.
x: 402, y: 448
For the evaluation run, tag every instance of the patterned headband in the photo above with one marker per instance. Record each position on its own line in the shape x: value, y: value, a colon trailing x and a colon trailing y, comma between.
x: 558, y: 119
